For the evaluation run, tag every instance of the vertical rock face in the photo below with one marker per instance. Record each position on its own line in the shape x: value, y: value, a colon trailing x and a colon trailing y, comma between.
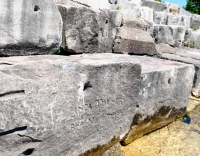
x: 172, y: 35
x: 88, y: 31
x: 29, y: 27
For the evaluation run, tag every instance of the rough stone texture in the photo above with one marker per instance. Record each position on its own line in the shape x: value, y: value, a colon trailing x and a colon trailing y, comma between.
x: 179, y: 20
x: 172, y: 35
x: 134, y: 41
x: 195, y: 22
x: 165, y: 48
x: 172, y: 8
x: 29, y: 27
x: 88, y: 31
x: 84, y: 104
x: 70, y: 2
x: 184, y: 12
x: 73, y: 105
x: 114, y: 151
x: 191, y: 56
x: 175, y: 139
x: 134, y: 23
x: 160, y: 18
x: 192, y: 38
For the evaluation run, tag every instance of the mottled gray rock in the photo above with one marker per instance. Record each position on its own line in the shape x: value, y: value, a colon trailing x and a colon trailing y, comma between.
x: 192, y: 38
x: 88, y: 31
x: 134, y: 23
x: 179, y: 20
x: 133, y: 38
x: 195, y: 22
x: 79, y: 105
x: 67, y: 101
x: 29, y: 27
x: 184, y: 12
x: 172, y: 35
x: 191, y: 56
x: 160, y: 18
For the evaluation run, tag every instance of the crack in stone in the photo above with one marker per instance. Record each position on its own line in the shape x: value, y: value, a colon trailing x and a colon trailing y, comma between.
x: 12, y: 93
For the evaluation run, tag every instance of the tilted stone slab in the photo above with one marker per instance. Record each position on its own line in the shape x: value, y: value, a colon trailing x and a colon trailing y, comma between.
x: 134, y: 41
x: 29, y: 27
x: 157, y: 6
x: 195, y: 22
x: 88, y: 31
x: 84, y: 104
x: 172, y: 35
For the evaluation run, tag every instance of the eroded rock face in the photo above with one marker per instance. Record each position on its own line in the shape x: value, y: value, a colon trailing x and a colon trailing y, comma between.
x: 29, y: 27
x: 84, y: 104
x: 172, y: 35
x: 67, y: 102
x: 88, y: 31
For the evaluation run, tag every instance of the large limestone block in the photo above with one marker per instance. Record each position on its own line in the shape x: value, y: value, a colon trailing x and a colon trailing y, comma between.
x: 134, y: 41
x: 84, y: 104
x: 184, y: 12
x: 191, y: 56
x: 29, y: 27
x: 172, y: 35
x: 134, y: 23
x: 88, y: 31
x: 71, y: 104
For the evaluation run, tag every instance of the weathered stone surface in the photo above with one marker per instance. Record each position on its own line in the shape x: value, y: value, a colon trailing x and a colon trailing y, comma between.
x: 129, y: 8
x: 192, y: 38
x: 172, y: 35
x: 160, y: 18
x: 88, y: 31
x: 179, y: 20
x: 191, y: 56
x: 114, y: 151
x: 175, y: 139
x: 195, y: 22
x: 134, y: 41
x: 165, y: 48
x: 84, y: 104
x: 29, y: 27
x: 65, y: 102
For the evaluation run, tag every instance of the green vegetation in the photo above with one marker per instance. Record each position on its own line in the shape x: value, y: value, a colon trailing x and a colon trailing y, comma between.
x: 193, y: 6
x: 160, y: 1
x: 118, y: 8
x: 191, y: 43
x: 58, y: 52
x: 138, y: 16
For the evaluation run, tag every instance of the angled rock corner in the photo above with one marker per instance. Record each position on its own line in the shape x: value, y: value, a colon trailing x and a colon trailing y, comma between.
x: 29, y: 27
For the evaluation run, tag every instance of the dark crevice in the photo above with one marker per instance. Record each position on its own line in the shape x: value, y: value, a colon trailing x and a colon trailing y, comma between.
x: 12, y: 92
x: 28, y: 151
x: 36, y: 8
x: 87, y: 85
x: 13, y: 130
x: 32, y: 139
